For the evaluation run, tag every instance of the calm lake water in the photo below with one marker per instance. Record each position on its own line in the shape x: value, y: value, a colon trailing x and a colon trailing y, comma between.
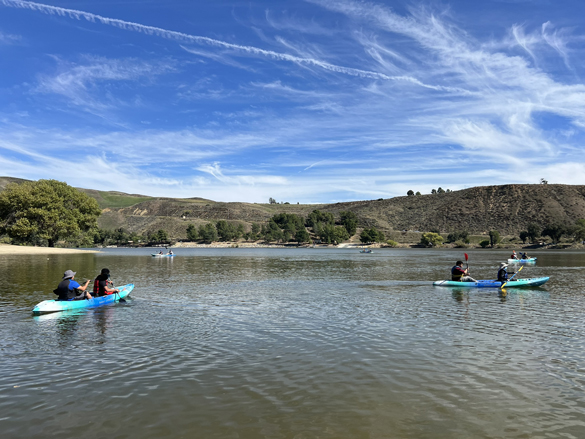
x: 294, y: 343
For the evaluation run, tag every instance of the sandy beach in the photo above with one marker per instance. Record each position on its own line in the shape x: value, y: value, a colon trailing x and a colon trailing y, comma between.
x: 7, y: 249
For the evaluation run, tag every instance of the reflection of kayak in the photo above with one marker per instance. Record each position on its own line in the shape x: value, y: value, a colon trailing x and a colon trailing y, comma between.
x: 522, y: 261
x: 66, y: 305
x: 528, y: 282
x: 157, y: 255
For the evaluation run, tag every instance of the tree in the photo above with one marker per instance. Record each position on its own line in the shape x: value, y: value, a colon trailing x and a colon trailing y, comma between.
x: 302, y: 236
x: 440, y: 190
x: 192, y: 233
x: 410, y: 193
x: 533, y: 231
x: 494, y: 237
x: 543, y: 181
x: 46, y: 210
x: 316, y: 217
x: 524, y: 236
x: 371, y: 235
x: 417, y: 193
x: 484, y: 243
x: 225, y: 231
x: 208, y: 233
x: 349, y: 220
x: 433, y: 191
x: 431, y: 239
x: 255, y: 230
x: 458, y: 236
x: 555, y: 231
x: 580, y: 230
x: 272, y: 200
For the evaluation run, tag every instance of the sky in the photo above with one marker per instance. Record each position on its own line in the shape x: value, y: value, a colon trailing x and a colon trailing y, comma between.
x: 304, y: 101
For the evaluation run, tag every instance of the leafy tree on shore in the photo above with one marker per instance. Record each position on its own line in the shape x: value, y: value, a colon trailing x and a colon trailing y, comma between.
x: 371, y: 235
x: 533, y: 231
x: 459, y: 236
x: 47, y: 211
x: 316, y: 217
x: 555, y: 232
x: 524, y: 236
x: 349, y: 220
x: 208, y: 233
x: 494, y: 237
x: 431, y: 239
x: 580, y: 230
x: 192, y: 232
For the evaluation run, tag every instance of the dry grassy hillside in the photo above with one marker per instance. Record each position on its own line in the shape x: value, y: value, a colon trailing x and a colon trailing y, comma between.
x: 508, y: 209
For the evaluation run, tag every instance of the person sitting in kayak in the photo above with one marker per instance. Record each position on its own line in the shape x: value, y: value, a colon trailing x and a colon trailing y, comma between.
x: 525, y: 255
x: 170, y: 253
x: 503, y: 273
x: 69, y: 289
x: 458, y: 273
x: 514, y: 255
x: 102, y: 285
x: 160, y: 253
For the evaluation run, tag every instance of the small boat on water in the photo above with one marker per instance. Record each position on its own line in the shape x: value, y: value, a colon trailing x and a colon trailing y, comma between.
x: 522, y: 261
x: 47, y: 306
x: 516, y: 283
x: 366, y: 251
x: 158, y: 255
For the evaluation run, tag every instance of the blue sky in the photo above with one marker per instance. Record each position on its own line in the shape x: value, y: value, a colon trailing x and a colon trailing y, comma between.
x: 302, y: 101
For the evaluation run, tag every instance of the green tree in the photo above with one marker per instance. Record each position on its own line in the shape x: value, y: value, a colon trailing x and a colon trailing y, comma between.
x: 533, y: 231
x: 208, y: 233
x: 459, y: 236
x: 417, y: 193
x: 524, y: 236
x: 433, y: 191
x: 580, y: 230
x: 302, y: 236
x: 431, y: 239
x: 494, y: 237
x: 371, y: 235
x: 349, y: 220
x: 225, y: 231
x: 317, y: 216
x: 555, y: 231
x: 410, y: 193
x: 440, y: 190
x: 484, y: 243
x: 272, y: 232
x: 255, y: 229
x: 192, y: 232
x: 46, y: 210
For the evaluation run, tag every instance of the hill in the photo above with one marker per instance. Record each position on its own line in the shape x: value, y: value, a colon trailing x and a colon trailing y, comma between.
x: 507, y: 208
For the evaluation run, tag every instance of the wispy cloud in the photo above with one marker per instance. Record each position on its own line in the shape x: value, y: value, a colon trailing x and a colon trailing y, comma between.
x: 9, y: 39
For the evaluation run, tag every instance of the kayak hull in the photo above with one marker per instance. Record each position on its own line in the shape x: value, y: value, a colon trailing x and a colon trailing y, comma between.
x: 522, y: 261
x: 48, y: 306
x: 154, y: 255
x: 520, y: 283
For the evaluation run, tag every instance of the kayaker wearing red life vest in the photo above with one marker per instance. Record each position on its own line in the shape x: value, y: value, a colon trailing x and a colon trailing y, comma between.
x: 458, y: 273
x: 69, y: 289
x: 514, y: 256
x: 101, y: 284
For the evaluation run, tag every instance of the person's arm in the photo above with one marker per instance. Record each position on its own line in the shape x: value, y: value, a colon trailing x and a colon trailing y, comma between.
x: 82, y: 288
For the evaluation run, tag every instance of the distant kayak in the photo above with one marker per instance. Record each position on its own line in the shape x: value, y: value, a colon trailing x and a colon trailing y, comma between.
x: 522, y: 261
x: 516, y: 283
x: 47, y: 306
x: 158, y: 255
x: 366, y: 251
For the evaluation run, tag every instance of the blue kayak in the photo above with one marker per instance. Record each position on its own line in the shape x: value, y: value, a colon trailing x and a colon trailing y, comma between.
x: 47, y: 306
x: 515, y: 283
x: 158, y: 255
x: 522, y: 261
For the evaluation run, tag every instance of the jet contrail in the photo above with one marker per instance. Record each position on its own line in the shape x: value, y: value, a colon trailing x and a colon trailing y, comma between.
x: 173, y: 35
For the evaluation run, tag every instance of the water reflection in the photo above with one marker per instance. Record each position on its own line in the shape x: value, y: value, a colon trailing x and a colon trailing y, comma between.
x: 293, y: 343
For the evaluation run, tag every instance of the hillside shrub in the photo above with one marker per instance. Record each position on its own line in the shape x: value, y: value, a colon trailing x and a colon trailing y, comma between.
x: 391, y: 243
x: 484, y: 243
x: 431, y: 239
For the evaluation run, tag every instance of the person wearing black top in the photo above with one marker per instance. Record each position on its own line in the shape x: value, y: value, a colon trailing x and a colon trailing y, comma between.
x: 102, y: 285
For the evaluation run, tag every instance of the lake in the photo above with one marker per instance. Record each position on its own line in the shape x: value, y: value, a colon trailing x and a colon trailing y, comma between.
x: 294, y: 343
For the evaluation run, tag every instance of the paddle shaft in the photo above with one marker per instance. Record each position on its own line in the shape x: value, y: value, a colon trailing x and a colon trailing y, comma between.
x: 504, y: 284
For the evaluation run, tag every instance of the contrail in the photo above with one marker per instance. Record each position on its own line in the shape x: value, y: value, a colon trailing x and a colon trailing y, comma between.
x: 180, y: 36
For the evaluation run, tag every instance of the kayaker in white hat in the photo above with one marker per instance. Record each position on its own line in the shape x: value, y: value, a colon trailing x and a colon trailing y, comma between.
x: 503, y: 272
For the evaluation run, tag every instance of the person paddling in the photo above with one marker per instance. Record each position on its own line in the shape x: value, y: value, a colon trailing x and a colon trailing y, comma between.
x: 102, y: 285
x: 458, y: 273
x: 503, y: 273
x: 514, y: 255
x: 69, y: 289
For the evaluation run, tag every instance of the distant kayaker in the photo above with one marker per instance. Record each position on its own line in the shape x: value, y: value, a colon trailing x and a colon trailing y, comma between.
x: 102, y: 285
x: 69, y: 289
x: 170, y: 253
x: 458, y: 273
x: 525, y: 255
x: 514, y: 255
x: 503, y: 272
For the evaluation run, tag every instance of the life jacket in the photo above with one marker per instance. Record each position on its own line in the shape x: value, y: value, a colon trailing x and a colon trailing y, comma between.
x: 100, y: 290
x: 502, y: 274
x: 457, y: 273
x: 63, y: 290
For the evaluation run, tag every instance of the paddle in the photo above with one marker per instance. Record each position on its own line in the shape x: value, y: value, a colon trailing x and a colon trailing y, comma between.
x: 504, y: 284
x: 467, y: 263
x: 120, y: 298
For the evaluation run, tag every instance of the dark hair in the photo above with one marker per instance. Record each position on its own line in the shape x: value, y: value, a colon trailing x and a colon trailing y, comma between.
x: 459, y: 263
x: 105, y: 271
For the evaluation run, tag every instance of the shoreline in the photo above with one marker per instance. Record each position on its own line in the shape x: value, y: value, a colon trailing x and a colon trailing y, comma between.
x: 9, y: 249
